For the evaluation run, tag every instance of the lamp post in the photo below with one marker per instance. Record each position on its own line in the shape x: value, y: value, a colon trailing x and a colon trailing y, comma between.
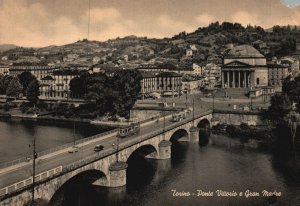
x: 117, y: 148
x: 74, y: 133
x: 33, y: 171
x: 213, y: 101
x: 193, y: 112
x: 186, y: 98
x: 163, y: 107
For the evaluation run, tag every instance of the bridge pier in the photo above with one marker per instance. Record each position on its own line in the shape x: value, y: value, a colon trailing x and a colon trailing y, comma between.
x: 164, y: 150
x: 117, y: 174
x: 194, y: 134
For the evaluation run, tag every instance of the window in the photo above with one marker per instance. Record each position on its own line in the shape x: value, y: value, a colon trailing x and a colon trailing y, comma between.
x: 257, y: 81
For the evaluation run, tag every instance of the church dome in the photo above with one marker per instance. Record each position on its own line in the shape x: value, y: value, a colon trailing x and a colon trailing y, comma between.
x: 245, y: 51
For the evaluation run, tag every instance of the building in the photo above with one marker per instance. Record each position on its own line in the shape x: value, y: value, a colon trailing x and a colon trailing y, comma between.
x: 198, y: 69
x: 244, y: 66
x: 292, y: 63
x: 191, y: 86
x: 161, y: 83
x: 57, y: 83
x: 277, y: 73
x: 46, y: 86
x: 39, y: 70
x: 189, y: 52
x: 212, y: 71
x: 169, y: 82
x: 148, y: 83
x: 61, y: 80
x: 156, y: 69
x: 4, y: 69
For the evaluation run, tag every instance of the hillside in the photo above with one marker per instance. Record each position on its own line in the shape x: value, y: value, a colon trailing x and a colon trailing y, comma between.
x: 205, y: 44
x: 6, y: 47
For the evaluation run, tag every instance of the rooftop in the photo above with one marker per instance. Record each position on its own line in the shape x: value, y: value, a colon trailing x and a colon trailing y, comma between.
x: 244, y: 51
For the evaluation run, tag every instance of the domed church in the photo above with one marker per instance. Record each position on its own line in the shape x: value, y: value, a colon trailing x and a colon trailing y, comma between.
x: 244, y: 67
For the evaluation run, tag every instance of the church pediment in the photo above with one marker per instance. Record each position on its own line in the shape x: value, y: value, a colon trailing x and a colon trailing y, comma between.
x: 237, y: 64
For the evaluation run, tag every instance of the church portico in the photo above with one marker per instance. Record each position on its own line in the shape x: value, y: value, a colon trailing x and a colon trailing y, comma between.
x: 236, y: 78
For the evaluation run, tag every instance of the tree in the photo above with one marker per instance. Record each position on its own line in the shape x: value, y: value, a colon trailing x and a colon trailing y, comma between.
x: 78, y: 85
x: 14, y: 88
x: 33, y: 91
x: 97, y: 87
x: 291, y: 88
x: 126, y: 86
x: 25, y: 79
x: 4, y: 81
x: 280, y: 107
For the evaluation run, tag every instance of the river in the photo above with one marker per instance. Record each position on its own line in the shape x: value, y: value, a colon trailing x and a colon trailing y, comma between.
x: 191, y: 169
x: 211, y: 169
x: 16, y: 137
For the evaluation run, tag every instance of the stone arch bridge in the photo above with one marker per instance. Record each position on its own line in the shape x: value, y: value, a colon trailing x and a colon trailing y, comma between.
x: 110, y: 164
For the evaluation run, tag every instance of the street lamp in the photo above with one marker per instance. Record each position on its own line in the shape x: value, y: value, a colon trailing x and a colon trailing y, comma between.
x: 251, y: 102
x: 186, y: 98
x: 213, y: 101
x: 33, y: 171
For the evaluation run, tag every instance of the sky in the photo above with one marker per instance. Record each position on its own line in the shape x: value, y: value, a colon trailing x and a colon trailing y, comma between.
x: 37, y: 23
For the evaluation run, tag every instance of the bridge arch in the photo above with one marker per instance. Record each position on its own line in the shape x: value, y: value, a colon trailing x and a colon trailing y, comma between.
x: 148, y: 151
x: 180, y: 134
x: 204, y: 132
x: 67, y: 183
x: 141, y: 168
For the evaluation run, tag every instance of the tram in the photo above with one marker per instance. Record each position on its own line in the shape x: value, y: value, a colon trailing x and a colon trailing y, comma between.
x: 129, y: 130
x: 178, y: 116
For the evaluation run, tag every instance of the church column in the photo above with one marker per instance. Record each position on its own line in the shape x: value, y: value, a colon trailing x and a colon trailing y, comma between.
x: 245, y: 80
x: 233, y: 79
x: 239, y: 79
x: 228, y: 79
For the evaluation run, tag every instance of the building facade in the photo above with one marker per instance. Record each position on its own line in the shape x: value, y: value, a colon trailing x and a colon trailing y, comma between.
x: 56, y: 85
x: 160, y: 83
x: 245, y: 67
x: 277, y: 73
x: 38, y: 70
x: 4, y: 70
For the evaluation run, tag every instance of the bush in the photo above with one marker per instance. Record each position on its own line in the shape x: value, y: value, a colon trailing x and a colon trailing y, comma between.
x: 32, y: 110
x: 6, y: 107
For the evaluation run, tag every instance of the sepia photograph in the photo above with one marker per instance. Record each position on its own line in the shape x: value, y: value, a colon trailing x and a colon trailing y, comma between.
x: 150, y: 103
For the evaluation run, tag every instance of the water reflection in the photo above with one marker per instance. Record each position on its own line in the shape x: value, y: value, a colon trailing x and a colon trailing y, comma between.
x: 18, y: 135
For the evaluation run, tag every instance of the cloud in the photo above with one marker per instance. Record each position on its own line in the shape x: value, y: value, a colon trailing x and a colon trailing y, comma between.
x: 205, y: 19
x: 169, y: 26
x: 245, y: 18
x: 41, y: 23
x: 33, y: 25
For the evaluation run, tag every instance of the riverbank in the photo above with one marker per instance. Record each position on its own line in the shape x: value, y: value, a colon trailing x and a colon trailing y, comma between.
x: 253, y: 137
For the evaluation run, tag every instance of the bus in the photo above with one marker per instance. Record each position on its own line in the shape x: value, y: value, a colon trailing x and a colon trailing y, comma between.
x: 129, y: 130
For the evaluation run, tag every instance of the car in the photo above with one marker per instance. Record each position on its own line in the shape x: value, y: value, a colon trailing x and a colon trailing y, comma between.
x: 98, y: 148
x: 73, y: 149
